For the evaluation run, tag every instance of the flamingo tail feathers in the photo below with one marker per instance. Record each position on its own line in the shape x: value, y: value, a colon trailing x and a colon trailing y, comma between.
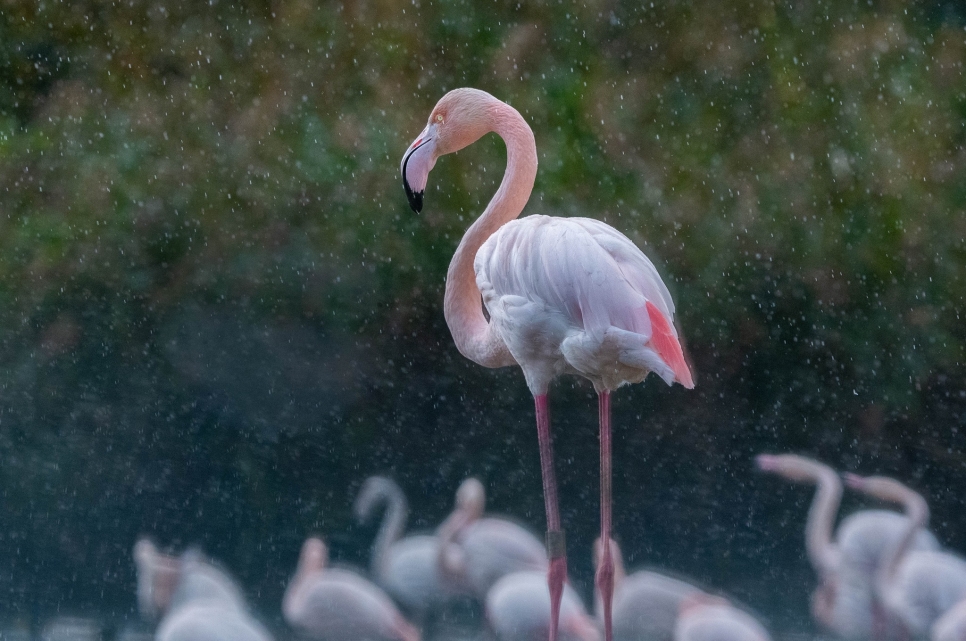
x: 665, y: 343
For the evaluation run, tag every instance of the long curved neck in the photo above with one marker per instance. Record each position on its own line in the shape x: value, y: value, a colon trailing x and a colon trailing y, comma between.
x: 309, y: 566
x: 917, y: 515
x: 462, y: 304
x: 393, y: 525
x: 450, y: 557
x: 294, y: 597
x: 822, y: 551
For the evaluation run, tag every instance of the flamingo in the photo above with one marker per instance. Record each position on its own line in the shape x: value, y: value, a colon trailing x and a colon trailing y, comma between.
x: 646, y: 604
x: 710, y: 618
x: 407, y: 567
x: 475, y: 552
x: 917, y: 587
x: 518, y: 609
x: 844, y: 602
x: 332, y: 605
x: 951, y: 626
x: 564, y: 295
x: 157, y: 578
x: 197, y: 601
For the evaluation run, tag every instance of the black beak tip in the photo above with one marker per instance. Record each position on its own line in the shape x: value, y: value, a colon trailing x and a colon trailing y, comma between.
x: 415, y: 198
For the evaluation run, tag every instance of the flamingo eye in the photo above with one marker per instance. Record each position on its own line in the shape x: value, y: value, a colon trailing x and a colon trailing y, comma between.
x: 439, y: 118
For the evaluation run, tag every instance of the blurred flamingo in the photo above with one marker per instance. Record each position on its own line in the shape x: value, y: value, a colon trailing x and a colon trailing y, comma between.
x: 157, y: 578
x: 646, y: 604
x: 705, y: 617
x: 407, y: 567
x: 951, y: 626
x: 196, y: 600
x: 844, y: 602
x: 916, y: 587
x: 518, y: 609
x: 564, y: 295
x: 476, y: 552
x: 332, y: 605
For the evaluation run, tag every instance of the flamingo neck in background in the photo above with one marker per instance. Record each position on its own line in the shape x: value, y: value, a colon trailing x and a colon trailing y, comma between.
x: 393, y: 525
x: 462, y: 305
x: 822, y: 551
x: 917, y: 513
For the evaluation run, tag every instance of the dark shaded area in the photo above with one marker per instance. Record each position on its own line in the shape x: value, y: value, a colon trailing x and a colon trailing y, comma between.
x: 218, y: 314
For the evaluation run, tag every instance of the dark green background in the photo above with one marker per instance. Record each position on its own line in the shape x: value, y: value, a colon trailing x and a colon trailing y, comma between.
x: 218, y: 314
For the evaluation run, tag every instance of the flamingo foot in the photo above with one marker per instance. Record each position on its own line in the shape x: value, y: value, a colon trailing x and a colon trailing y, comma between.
x: 556, y: 575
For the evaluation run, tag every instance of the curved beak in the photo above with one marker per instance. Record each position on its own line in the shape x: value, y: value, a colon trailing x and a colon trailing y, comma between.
x: 416, y: 164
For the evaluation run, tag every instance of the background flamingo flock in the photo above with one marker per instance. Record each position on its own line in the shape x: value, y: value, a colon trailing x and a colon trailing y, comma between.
x: 885, y: 581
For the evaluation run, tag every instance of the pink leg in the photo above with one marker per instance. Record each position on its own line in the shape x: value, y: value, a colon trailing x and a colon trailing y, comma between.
x: 605, y: 573
x: 556, y: 545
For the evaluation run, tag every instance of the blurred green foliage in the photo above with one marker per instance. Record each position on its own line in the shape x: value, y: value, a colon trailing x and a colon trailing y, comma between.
x: 795, y: 170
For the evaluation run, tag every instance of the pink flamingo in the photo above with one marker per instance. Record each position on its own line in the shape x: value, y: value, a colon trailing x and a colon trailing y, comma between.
x: 518, y: 609
x: 917, y: 587
x: 564, y: 295
x: 157, y: 575
x: 407, y: 567
x: 710, y: 618
x: 476, y: 552
x: 332, y: 604
x: 844, y: 602
x: 646, y: 604
x: 196, y: 600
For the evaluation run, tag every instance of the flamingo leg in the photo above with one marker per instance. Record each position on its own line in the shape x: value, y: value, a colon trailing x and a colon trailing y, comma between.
x: 556, y: 545
x: 605, y: 572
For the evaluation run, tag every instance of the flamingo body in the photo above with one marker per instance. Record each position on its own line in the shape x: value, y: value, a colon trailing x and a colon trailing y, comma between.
x: 405, y: 567
x: 575, y: 296
x: 718, y: 622
x: 492, y: 548
x: 926, y: 586
x: 950, y: 626
x: 476, y: 552
x: 332, y: 605
x: 210, y: 622
x: 865, y: 538
x: 646, y: 606
x: 411, y: 575
x: 518, y: 609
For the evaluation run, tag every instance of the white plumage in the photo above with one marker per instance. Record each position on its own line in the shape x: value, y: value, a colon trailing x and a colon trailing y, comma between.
x: 569, y: 295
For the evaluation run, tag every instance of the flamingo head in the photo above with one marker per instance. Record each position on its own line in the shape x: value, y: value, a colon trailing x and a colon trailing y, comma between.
x: 471, y: 498
x: 373, y: 491
x: 790, y: 466
x: 460, y: 118
x: 314, y: 555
